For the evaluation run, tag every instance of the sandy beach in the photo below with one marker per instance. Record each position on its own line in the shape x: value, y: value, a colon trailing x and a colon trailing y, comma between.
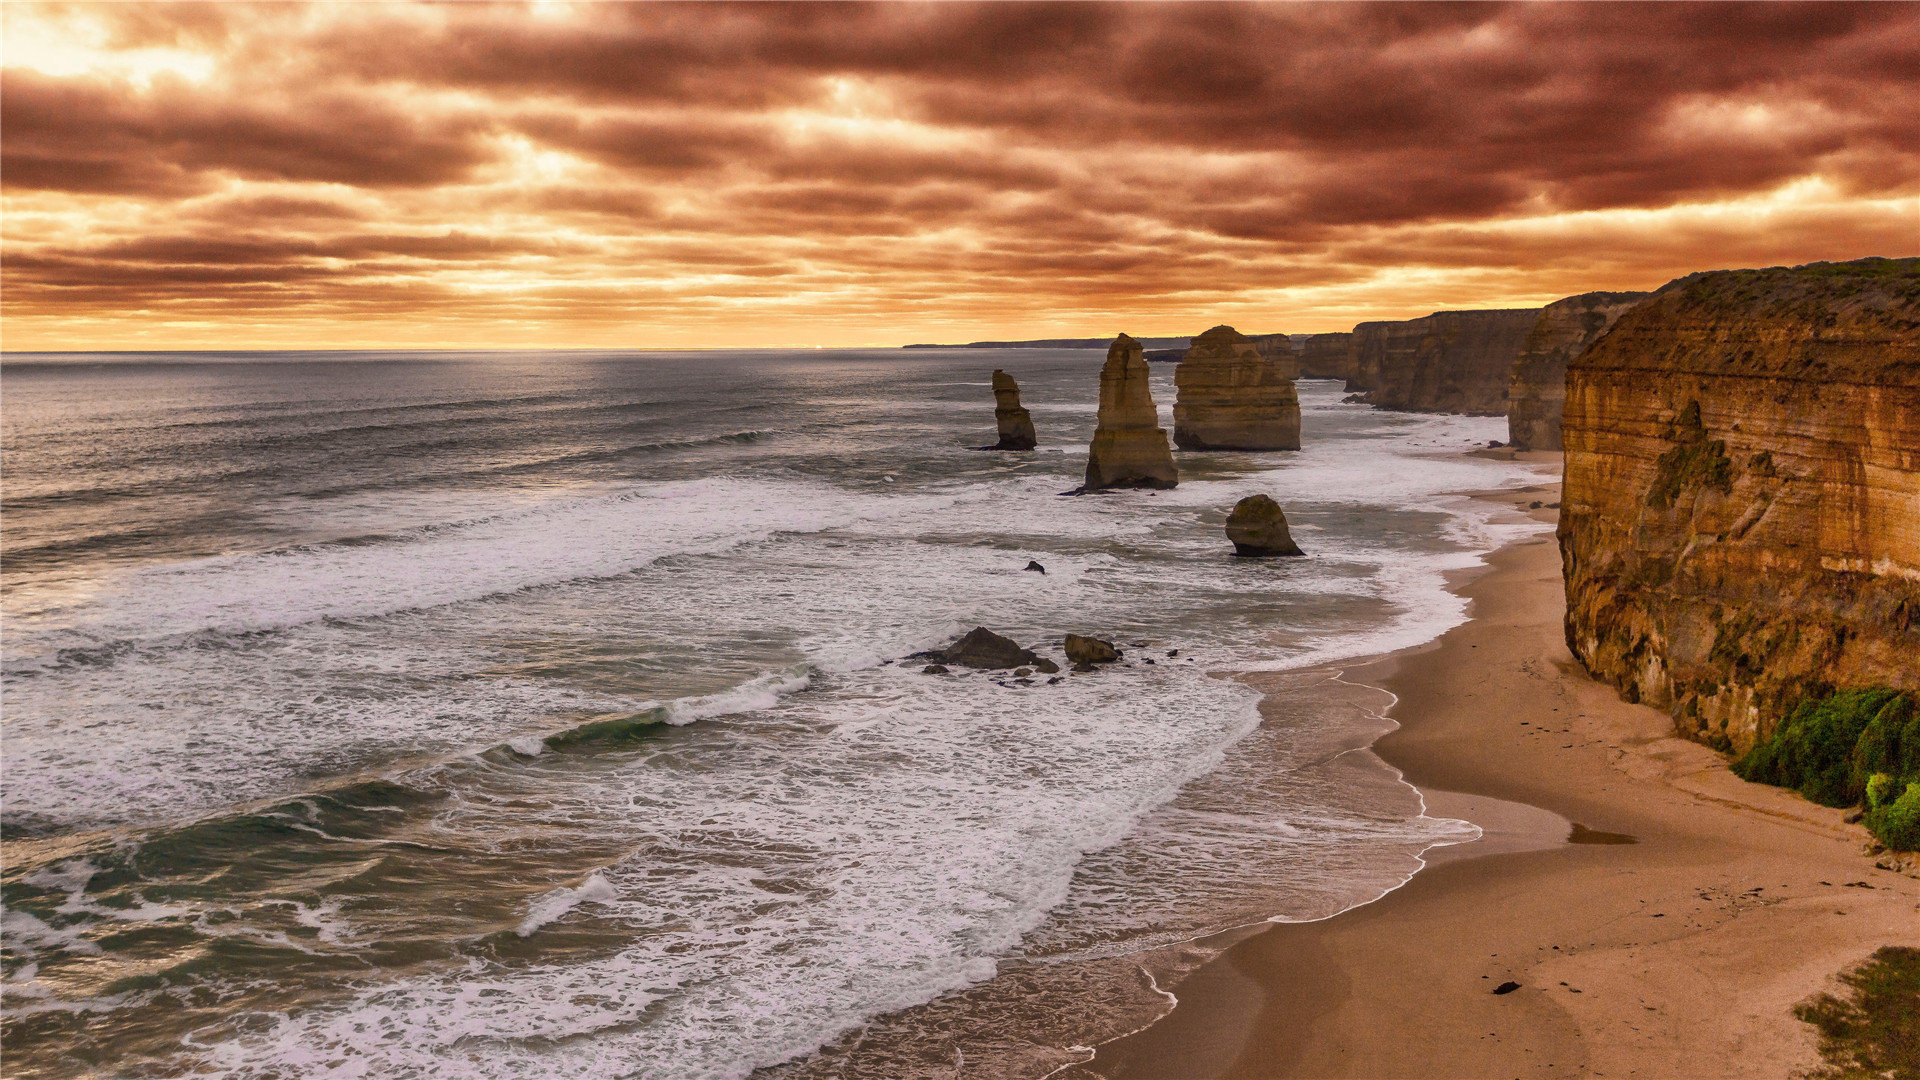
x: 1672, y: 938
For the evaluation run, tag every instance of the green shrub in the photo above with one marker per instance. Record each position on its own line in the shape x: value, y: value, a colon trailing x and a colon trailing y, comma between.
x: 1874, y: 1031
x: 1879, y: 786
x: 1830, y: 749
x: 1897, y: 824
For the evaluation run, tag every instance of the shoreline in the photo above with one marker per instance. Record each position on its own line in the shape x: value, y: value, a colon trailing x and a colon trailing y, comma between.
x: 1670, y: 934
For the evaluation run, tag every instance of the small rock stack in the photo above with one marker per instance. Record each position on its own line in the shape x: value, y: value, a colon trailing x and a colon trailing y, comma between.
x: 1016, y: 423
x: 1258, y: 528
x: 1232, y: 397
x: 1129, y: 446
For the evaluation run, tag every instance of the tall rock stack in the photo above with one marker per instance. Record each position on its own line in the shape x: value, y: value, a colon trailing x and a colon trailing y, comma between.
x: 1741, y: 522
x: 1231, y: 397
x: 1538, y: 391
x: 1016, y: 423
x: 1129, y: 446
x: 1449, y: 361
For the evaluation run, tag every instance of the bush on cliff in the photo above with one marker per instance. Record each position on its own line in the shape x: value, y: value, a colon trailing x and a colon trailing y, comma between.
x: 1831, y: 748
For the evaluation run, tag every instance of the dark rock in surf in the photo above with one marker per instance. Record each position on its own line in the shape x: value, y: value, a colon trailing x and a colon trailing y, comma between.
x: 982, y: 648
x: 1036, y: 567
x: 1258, y: 528
x: 1084, y: 651
x: 1045, y: 665
x: 934, y: 669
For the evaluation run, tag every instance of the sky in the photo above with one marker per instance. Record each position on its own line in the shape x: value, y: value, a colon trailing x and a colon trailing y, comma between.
x: 368, y: 175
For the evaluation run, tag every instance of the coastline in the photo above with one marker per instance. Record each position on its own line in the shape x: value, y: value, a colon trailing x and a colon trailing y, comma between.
x: 1681, y: 952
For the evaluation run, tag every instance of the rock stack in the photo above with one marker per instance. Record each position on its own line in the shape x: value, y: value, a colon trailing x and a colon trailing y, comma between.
x: 1129, y: 445
x: 1016, y: 423
x: 1258, y: 528
x: 1538, y: 391
x: 1231, y: 397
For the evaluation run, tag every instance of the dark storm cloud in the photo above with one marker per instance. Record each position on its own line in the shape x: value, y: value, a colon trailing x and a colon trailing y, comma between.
x: 1047, y: 158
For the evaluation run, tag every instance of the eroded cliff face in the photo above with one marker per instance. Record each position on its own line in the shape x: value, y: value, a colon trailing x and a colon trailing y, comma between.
x: 1449, y: 361
x: 1741, y: 520
x: 1537, y: 392
x: 1329, y: 356
x: 1233, y: 397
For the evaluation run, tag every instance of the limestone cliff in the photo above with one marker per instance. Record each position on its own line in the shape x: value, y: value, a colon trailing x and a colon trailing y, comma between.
x: 1537, y: 391
x: 1741, y: 521
x: 1016, y: 423
x: 1129, y: 445
x: 1449, y: 361
x: 1232, y: 397
x: 1330, y: 356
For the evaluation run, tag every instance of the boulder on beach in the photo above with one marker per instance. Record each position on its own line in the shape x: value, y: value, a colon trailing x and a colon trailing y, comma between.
x: 1258, y: 527
x: 1129, y: 446
x: 982, y: 648
x: 1090, y: 650
x: 1016, y: 423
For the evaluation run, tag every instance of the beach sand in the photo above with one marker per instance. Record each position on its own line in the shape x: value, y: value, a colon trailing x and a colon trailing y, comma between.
x: 1680, y: 954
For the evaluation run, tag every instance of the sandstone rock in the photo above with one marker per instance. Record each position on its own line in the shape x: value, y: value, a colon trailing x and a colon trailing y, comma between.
x: 1085, y: 651
x: 1233, y: 398
x: 1537, y: 392
x: 1741, y: 518
x: 1016, y: 423
x: 982, y: 648
x: 1449, y: 361
x: 1046, y: 666
x: 1129, y: 446
x: 1258, y: 527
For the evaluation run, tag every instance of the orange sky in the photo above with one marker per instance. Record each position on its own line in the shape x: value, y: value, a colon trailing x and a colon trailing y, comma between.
x: 550, y: 174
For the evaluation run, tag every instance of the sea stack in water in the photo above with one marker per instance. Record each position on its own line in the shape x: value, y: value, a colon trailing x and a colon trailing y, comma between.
x: 1016, y: 423
x: 1234, y: 398
x: 1258, y: 528
x: 1129, y: 446
x: 1741, y: 528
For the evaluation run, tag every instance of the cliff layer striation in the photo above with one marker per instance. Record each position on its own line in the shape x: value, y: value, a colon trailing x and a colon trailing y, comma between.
x: 1741, y: 521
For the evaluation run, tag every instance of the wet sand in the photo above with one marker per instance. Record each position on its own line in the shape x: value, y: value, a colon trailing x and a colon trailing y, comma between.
x: 1680, y: 953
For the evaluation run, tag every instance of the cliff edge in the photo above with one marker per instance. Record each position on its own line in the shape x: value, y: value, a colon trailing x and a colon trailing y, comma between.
x: 1741, y: 521
x: 1537, y: 394
x: 1449, y: 361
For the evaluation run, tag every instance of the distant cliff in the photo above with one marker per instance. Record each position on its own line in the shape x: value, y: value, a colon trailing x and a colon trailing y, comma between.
x: 1741, y: 524
x: 1449, y: 361
x: 1537, y: 393
x: 1329, y: 356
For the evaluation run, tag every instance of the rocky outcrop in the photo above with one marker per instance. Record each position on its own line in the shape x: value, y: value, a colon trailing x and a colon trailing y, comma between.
x: 1258, y: 527
x: 1449, y: 361
x: 1330, y: 356
x: 1129, y: 446
x: 982, y: 648
x: 1083, y: 651
x: 1537, y: 391
x: 1016, y: 423
x: 1741, y: 522
x: 1233, y: 398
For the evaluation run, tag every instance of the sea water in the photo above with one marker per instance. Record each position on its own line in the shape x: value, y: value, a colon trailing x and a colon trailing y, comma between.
x: 534, y: 714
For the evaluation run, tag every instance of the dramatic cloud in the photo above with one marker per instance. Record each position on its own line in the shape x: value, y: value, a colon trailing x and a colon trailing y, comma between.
x: 685, y: 175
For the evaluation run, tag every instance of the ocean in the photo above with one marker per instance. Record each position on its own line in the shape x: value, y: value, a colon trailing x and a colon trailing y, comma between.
x: 538, y: 714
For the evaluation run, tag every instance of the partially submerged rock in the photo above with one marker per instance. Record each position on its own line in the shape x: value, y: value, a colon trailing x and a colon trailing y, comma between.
x: 1129, y: 446
x: 1258, y: 527
x: 982, y: 648
x: 1084, y: 651
x: 1034, y: 565
x: 1016, y: 423
x: 1234, y: 397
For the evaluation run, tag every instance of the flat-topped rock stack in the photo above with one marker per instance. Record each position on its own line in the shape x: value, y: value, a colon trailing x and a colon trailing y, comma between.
x: 1231, y: 397
x: 1129, y: 446
x: 1016, y: 423
x: 1537, y: 391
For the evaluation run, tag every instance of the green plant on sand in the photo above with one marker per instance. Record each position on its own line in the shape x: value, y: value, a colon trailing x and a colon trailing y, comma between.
x: 1851, y: 746
x: 1874, y: 1031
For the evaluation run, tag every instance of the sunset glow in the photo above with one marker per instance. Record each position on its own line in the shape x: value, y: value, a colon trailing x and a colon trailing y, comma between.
x: 673, y: 176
